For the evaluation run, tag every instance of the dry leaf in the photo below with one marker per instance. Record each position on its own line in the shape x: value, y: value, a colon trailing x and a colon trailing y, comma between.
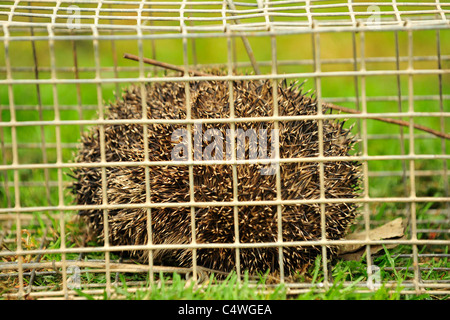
x: 391, y: 230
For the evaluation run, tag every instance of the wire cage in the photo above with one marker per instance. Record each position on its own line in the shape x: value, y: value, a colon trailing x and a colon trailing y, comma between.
x: 62, y: 61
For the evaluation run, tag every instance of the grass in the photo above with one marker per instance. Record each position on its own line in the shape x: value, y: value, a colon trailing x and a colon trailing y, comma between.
x: 348, y: 279
x: 395, y: 265
x: 174, y: 287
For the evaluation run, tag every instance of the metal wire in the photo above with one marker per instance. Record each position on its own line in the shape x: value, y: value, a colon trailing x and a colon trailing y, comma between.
x: 51, y: 23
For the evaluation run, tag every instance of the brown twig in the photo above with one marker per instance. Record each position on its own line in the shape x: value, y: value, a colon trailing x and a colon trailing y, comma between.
x: 390, y: 120
x: 164, y: 65
x: 328, y: 105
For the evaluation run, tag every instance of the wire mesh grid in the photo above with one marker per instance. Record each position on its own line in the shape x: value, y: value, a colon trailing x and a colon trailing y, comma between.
x: 61, y: 60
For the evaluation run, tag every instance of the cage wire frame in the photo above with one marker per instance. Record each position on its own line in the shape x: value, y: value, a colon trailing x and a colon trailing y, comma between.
x: 47, y: 21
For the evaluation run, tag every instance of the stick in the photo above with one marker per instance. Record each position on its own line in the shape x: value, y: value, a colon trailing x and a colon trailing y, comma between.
x: 101, y: 266
x: 164, y: 65
x: 390, y: 120
x: 246, y: 43
x: 328, y: 105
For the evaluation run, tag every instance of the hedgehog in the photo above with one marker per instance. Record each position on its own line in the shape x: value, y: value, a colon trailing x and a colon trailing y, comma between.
x: 170, y: 183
